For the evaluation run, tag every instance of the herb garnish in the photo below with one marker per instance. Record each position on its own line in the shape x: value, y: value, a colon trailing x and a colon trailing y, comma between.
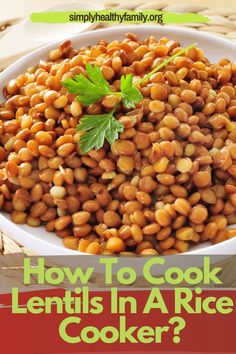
x: 97, y: 128
x: 130, y: 94
x: 88, y: 90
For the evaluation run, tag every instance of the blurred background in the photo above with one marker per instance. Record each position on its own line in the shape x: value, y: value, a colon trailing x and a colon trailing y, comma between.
x: 18, y: 35
x: 21, y: 8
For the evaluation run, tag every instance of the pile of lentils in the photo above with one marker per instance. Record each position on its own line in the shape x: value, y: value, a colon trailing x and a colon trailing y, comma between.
x: 167, y: 183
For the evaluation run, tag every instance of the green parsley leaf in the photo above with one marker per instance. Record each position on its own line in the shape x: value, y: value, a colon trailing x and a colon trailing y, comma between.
x: 96, y: 76
x: 98, y: 128
x: 88, y: 90
x: 130, y: 94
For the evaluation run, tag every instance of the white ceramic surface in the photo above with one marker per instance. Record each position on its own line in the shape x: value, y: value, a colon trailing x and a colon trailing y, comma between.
x: 26, y: 36
x: 44, y: 243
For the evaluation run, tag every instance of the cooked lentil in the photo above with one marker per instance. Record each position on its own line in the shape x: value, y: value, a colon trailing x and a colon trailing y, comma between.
x: 167, y: 182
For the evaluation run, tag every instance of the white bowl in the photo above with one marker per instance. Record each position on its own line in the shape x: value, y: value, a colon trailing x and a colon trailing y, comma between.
x: 45, y: 243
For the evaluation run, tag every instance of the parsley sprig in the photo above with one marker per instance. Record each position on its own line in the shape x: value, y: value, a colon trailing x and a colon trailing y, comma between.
x: 130, y: 94
x: 96, y: 128
x: 91, y: 89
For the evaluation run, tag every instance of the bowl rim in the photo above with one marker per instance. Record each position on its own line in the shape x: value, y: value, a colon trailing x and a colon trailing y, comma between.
x: 119, y: 30
x: 95, y: 35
